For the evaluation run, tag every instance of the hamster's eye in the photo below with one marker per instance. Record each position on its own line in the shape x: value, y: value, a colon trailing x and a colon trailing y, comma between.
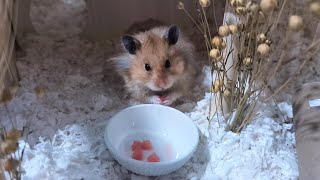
x: 147, y: 67
x: 167, y: 64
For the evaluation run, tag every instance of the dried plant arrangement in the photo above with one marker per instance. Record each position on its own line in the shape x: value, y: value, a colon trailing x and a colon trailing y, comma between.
x: 11, y: 154
x: 242, y: 56
x: 10, y: 157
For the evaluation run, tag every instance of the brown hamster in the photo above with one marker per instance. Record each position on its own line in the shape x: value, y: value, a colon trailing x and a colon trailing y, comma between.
x: 157, y: 65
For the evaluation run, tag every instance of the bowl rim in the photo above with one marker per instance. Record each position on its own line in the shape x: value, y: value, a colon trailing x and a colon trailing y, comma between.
x: 161, y: 163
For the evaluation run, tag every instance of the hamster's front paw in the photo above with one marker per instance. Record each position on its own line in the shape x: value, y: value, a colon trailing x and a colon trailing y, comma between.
x: 169, y: 99
x: 163, y: 100
x: 166, y: 100
x: 154, y: 100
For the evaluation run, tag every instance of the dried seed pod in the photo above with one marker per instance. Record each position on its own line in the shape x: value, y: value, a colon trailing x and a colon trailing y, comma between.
x: 226, y: 93
x: 241, y: 10
x: 216, y: 41
x: 295, y: 23
x: 180, y: 5
x: 264, y: 49
x: 315, y: 7
x: 261, y: 38
x: 204, y: 3
x: 233, y: 3
x: 236, y: 3
x: 240, y: 2
x: 218, y: 59
x: 268, y: 5
x: 223, y: 46
x: 13, y: 135
x: 40, y: 91
x: 233, y: 29
x: 247, y: 61
x: 6, y: 96
x: 269, y: 42
x: 9, y: 146
x: 224, y: 30
x: 218, y: 82
x: 10, y: 164
x: 214, y: 89
x: 214, y: 53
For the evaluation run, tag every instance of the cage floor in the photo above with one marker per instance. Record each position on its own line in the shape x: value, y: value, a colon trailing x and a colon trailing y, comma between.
x: 67, y: 125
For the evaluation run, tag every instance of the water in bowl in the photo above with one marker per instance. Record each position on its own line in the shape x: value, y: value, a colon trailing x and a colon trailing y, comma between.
x: 161, y: 146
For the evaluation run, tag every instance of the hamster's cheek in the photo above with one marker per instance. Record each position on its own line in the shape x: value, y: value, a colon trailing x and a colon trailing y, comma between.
x: 171, y: 80
x: 139, y: 75
x: 178, y: 67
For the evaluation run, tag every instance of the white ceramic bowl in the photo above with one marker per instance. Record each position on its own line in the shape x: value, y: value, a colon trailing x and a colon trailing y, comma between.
x: 173, y: 134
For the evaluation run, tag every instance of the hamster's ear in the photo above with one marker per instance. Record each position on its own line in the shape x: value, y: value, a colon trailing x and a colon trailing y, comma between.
x: 131, y: 44
x: 172, y: 35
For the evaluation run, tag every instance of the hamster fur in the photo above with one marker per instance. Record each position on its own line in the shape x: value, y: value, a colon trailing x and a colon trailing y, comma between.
x: 157, y: 65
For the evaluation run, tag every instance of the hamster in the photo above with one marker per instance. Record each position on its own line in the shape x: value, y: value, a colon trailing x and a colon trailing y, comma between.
x: 157, y: 64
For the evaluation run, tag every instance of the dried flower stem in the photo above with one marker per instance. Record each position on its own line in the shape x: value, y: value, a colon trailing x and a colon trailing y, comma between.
x: 214, y: 15
x: 279, y: 15
x: 206, y: 23
x: 193, y: 20
x: 283, y: 53
x: 309, y: 57
x: 245, y: 78
x: 9, y: 116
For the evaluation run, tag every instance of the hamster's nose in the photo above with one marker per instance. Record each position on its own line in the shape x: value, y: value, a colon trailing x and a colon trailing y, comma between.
x: 161, y: 84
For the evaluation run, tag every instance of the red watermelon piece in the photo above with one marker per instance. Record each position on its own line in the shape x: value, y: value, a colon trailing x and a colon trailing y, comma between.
x: 153, y: 158
x: 137, y: 155
x: 147, y: 145
x: 136, y: 145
